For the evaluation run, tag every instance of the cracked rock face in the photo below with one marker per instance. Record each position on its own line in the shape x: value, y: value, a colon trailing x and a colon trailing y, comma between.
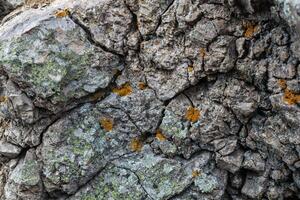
x: 148, y: 99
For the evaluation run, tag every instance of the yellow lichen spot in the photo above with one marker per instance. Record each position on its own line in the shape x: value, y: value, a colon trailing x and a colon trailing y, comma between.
x: 96, y: 96
x: 192, y: 114
x: 3, y: 99
x: 291, y: 97
x: 142, y: 85
x: 106, y: 123
x: 250, y: 29
x: 196, y: 173
x: 136, y: 144
x: 160, y: 136
x: 282, y: 83
x: 124, y: 90
x: 62, y: 13
x: 4, y: 124
x: 190, y: 68
x: 202, y: 52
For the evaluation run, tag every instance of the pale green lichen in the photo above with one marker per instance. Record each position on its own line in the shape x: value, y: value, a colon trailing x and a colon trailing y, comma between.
x: 27, y: 174
x: 54, y: 69
x: 50, y: 76
x: 84, y: 142
x: 161, y: 177
x: 172, y: 125
x: 206, y: 183
x: 114, y: 183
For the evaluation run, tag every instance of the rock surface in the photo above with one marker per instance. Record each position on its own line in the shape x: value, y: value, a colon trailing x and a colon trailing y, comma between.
x: 148, y: 99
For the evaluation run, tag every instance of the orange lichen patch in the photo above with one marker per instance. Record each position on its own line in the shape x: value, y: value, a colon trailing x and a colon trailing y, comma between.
x: 282, y: 83
x: 124, y: 90
x: 196, y: 173
x: 190, y: 68
x: 291, y: 97
x: 62, y: 13
x: 142, y: 85
x: 4, y: 124
x: 136, y: 145
x: 160, y: 136
x: 3, y: 99
x: 96, y: 96
x: 250, y: 29
x: 192, y: 114
x: 202, y: 52
x: 106, y: 123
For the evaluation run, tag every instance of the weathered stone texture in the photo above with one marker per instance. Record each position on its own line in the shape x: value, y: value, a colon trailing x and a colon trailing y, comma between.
x: 149, y: 99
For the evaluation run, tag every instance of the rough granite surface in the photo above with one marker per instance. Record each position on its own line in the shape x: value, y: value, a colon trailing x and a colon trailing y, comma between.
x: 149, y: 99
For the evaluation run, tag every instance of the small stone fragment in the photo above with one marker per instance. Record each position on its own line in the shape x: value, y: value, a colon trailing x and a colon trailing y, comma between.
x: 9, y: 150
x: 232, y: 162
x: 225, y: 146
x: 253, y: 161
x: 254, y: 186
x: 296, y: 177
x: 236, y: 180
x: 24, y: 181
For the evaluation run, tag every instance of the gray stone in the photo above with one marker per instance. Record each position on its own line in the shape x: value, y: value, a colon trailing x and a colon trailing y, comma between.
x: 149, y: 99
x: 113, y: 183
x: 109, y: 30
x: 296, y: 177
x: 231, y: 162
x: 254, y: 186
x: 236, y: 180
x: 79, y: 145
x: 225, y: 146
x: 45, y: 68
x: 253, y: 161
x: 9, y: 150
x: 24, y: 181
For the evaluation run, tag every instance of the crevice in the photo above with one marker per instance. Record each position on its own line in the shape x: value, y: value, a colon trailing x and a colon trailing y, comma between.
x: 161, y: 15
x: 139, y: 180
x: 155, y: 92
x: 129, y: 117
x: 161, y: 118
x: 188, y: 98
x: 109, y: 162
x: 134, y: 20
x: 65, y: 113
x: 92, y: 40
